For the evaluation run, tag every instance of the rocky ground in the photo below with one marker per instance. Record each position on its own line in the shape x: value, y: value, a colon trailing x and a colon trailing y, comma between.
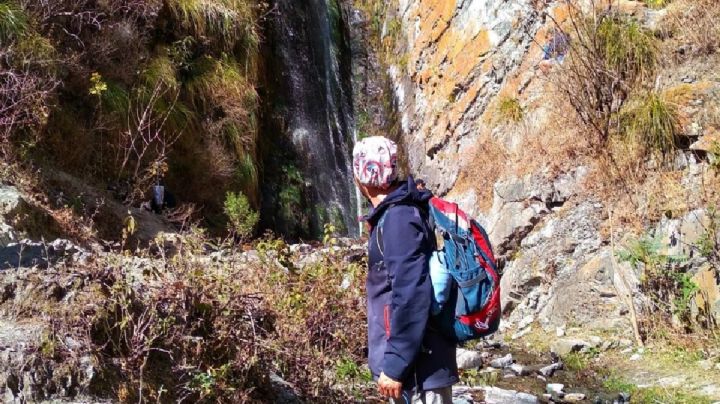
x: 575, y: 362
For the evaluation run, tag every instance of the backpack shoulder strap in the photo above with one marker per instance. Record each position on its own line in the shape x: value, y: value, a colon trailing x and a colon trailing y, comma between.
x: 424, y: 214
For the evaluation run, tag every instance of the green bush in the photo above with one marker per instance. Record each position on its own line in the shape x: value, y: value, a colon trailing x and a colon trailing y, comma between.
x: 510, y: 110
x: 609, y: 56
x: 242, y: 218
x: 657, y: 3
x: 13, y: 22
x: 654, y: 123
x: 629, y: 49
x: 665, y: 279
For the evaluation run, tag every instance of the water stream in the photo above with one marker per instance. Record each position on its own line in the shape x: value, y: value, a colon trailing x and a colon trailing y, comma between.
x: 309, y: 72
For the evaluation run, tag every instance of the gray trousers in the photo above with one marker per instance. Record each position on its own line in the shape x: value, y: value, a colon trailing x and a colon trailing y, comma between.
x: 436, y: 396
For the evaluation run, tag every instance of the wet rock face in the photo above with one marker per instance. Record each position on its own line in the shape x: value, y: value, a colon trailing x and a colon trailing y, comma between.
x: 310, y: 118
x: 458, y: 56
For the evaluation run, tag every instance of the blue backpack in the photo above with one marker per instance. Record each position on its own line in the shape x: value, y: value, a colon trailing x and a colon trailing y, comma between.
x: 463, y: 271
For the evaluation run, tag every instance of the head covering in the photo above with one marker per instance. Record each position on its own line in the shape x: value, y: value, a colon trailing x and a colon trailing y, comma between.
x: 375, y: 162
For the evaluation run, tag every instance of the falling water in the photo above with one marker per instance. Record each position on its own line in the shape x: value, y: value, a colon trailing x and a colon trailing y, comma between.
x: 310, y: 64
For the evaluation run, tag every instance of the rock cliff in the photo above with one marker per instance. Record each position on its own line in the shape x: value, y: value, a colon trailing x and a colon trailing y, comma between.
x: 484, y: 125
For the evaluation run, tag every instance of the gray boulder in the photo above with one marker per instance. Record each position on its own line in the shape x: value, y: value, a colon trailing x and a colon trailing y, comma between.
x: 467, y: 359
x: 565, y: 346
x: 494, y: 395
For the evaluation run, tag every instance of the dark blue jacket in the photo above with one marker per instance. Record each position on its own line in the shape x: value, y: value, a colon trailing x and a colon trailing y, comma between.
x: 399, y: 295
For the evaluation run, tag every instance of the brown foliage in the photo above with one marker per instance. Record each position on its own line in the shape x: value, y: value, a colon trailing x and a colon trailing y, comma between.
x: 201, y: 330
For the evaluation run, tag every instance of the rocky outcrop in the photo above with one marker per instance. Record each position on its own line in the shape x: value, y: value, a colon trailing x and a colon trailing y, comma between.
x: 454, y: 62
x: 520, y: 203
x: 20, y: 217
x: 457, y: 57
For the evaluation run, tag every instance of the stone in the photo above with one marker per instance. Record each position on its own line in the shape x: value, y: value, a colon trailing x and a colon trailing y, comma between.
x: 707, y: 142
x: 284, y: 390
x: 300, y: 248
x: 10, y: 200
x: 549, y: 371
x: 502, y: 363
x: 574, y: 397
x: 522, y: 333
x: 707, y: 298
x: 25, y: 374
x: 622, y: 398
x: 467, y: 359
x: 526, y: 321
x: 520, y: 370
x: 608, y: 345
x: 707, y: 364
x: 494, y: 395
x: 563, y: 347
x: 555, y: 388
x: 672, y: 381
x: 595, y: 341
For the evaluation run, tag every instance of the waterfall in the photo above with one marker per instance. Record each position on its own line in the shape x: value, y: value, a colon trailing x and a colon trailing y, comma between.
x: 309, y: 80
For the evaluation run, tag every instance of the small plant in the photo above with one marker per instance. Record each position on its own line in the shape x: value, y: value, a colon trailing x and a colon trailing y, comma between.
x: 578, y: 361
x: 714, y: 156
x: 129, y: 226
x: 657, y: 3
x: 330, y: 235
x: 97, y: 85
x: 13, y: 22
x: 476, y: 377
x: 664, y: 278
x: 617, y: 384
x: 347, y: 369
x: 654, y: 123
x: 242, y: 218
x: 510, y: 110
x: 627, y: 47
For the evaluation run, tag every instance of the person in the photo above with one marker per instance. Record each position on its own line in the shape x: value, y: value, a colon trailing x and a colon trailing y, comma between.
x: 161, y: 198
x: 409, y: 360
x: 420, y: 183
x: 157, y: 203
x: 555, y: 50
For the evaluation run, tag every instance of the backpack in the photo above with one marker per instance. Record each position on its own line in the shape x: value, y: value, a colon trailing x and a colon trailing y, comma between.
x: 471, y: 308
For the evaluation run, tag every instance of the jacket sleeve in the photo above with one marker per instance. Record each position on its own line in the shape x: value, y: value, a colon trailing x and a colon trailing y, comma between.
x: 406, y: 259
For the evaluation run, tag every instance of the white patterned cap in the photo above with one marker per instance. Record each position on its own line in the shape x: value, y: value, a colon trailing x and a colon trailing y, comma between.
x: 375, y: 162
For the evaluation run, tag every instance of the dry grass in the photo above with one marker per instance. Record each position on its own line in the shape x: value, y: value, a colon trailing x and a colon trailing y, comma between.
x: 168, y: 326
x: 693, y: 23
x: 488, y: 163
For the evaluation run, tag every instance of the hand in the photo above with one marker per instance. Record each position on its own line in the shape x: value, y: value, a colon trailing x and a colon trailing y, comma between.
x: 389, y: 387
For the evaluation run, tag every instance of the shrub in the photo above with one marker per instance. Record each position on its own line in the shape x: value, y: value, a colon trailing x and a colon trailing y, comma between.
x: 242, y: 217
x: 13, y: 22
x: 609, y: 54
x: 188, y: 328
x: 694, y: 23
x: 665, y: 280
x: 510, y: 110
x: 657, y: 3
x: 654, y: 123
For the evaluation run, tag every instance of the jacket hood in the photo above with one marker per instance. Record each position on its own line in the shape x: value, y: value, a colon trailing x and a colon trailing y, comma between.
x: 406, y: 194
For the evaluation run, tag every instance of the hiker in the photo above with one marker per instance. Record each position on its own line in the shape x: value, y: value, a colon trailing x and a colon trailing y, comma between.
x: 555, y: 49
x: 161, y: 198
x: 410, y: 361
x: 420, y: 183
